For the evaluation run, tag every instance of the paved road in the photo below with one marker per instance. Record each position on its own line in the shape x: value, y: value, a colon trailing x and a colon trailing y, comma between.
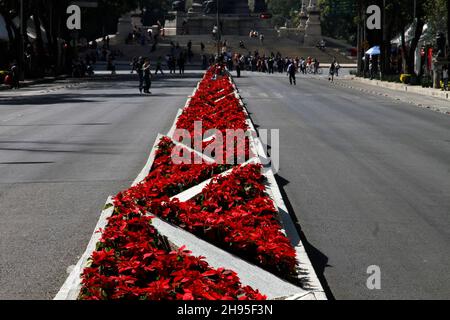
x: 63, y: 150
x: 368, y: 178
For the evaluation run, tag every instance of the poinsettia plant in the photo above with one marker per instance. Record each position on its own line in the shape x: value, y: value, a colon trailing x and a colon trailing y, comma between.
x: 133, y: 261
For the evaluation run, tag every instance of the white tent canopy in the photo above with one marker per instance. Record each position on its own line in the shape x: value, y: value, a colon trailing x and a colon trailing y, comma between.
x: 409, y: 35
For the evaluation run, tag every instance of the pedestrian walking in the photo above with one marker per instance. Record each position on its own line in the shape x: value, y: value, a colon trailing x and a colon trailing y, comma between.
x: 303, y: 65
x: 316, y: 66
x: 111, y: 65
x: 147, y: 76
x: 159, y: 66
x: 140, y: 72
x: 332, y: 71
x: 371, y: 69
x: 134, y: 65
x: 172, y: 64
x: 238, y: 69
x: 337, y: 68
x: 15, y: 75
x: 445, y: 77
x: 271, y: 63
x: 291, y: 73
x: 204, y: 62
x: 181, y: 62
x: 189, y: 52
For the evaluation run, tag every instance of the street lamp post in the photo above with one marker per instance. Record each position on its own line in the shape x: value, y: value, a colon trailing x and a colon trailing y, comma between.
x: 22, y: 45
x: 218, y: 29
x: 383, y: 54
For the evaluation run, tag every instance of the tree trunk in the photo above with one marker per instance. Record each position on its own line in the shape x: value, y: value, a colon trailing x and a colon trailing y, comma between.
x: 448, y: 25
x: 404, y: 51
x: 412, y: 49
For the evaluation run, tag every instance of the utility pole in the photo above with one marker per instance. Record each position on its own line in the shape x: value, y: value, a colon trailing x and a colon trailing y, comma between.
x: 415, y: 9
x: 359, y: 36
x: 22, y: 45
x: 383, y: 54
x: 448, y: 25
x: 218, y: 29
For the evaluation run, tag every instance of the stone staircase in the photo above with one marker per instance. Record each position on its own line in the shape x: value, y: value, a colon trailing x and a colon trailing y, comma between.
x: 286, y: 47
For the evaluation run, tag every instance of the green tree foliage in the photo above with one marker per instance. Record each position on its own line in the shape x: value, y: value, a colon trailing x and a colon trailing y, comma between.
x: 51, y: 16
x: 338, y: 19
x: 437, y: 19
x: 283, y: 10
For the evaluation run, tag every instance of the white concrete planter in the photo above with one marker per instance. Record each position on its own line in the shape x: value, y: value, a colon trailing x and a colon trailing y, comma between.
x: 267, y: 283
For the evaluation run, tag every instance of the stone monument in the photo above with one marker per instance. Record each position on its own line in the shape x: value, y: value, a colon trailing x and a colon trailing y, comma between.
x: 303, y: 17
x: 313, y: 29
x: 235, y: 18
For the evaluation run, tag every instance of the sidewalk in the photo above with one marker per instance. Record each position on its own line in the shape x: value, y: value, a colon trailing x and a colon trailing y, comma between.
x: 428, y: 98
x: 406, y: 88
x: 33, y: 82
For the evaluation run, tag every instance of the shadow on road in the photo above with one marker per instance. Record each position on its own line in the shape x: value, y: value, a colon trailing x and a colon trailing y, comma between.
x: 45, y: 100
x: 318, y: 259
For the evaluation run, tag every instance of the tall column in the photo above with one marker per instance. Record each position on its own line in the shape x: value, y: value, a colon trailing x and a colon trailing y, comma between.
x: 313, y: 30
x: 303, y: 16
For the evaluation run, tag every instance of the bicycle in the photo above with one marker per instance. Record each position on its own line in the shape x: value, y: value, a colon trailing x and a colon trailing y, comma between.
x: 310, y: 70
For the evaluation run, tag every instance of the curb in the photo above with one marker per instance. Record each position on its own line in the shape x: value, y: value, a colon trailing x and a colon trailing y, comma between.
x: 428, y: 106
x: 72, y: 286
x: 445, y: 95
x: 35, y: 82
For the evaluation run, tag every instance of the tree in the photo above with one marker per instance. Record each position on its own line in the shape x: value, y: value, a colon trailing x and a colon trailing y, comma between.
x: 283, y: 10
x: 337, y: 18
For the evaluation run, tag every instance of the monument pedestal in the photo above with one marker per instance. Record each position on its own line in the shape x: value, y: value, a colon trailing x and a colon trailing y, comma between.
x: 313, y: 29
x: 124, y: 27
x: 201, y: 24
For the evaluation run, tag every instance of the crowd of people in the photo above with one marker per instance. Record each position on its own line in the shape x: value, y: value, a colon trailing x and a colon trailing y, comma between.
x: 276, y: 63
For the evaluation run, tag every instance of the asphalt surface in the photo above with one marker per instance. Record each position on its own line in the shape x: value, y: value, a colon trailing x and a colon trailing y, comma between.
x: 368, y: 178
x: 64, y: 148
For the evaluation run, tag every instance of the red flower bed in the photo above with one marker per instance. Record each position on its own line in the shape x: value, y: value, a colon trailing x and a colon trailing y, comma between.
x: 222, y: 115
x: 169, y: 179
x: 133, y: 261
x: 235, y: 213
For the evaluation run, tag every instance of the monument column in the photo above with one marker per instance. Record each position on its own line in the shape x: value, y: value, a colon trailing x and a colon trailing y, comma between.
x: 313, y: 30
x: 303, y: 17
